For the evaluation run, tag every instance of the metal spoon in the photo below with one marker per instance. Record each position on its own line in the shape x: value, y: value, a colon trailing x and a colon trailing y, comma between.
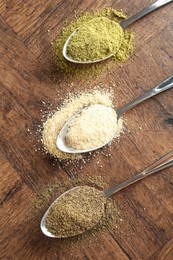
x: 61, y: 138
x: 160, y: 164
x: 124, y: 24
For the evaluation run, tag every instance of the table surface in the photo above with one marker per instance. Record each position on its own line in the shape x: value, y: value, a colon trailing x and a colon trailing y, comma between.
x: 28, y: 80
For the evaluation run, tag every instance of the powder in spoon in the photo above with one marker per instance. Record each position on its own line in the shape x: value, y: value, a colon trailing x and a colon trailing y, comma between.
x: 94, y: 126
x: 96, y: 39
x: 122, y: 55
x: 76, y: 211
x: 112, y: 217
x: 72, y: 104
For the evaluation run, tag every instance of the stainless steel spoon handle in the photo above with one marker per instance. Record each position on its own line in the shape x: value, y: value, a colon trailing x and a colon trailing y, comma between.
x: 145, y: 11
x: 164, y: 85
x: 161, y: 164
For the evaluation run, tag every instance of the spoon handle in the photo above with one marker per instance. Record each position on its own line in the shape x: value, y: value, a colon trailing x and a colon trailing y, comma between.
x: 164, y: 85
x: 125, y: 23
x: 160, y: 164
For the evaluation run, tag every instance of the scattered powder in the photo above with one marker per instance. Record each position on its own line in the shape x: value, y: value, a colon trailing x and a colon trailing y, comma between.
x: 76, y: 211
x: 94, y: 126
x: 96, y: 39
x: 122, y: 55
x: 111, y: 216
x: 71, y: 105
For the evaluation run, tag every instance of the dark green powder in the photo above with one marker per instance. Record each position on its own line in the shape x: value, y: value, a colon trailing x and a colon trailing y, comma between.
x: 111, y: 216
x: 76, y: 211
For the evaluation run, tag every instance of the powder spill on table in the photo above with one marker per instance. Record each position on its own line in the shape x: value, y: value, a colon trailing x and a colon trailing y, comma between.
x: 71, y: 105
x: 111, y: 216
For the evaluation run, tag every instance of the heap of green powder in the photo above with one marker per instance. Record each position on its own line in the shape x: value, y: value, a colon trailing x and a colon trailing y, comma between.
x: 120, y: 56
x: 78, y: 210
x: 96, y: 39
x: 110, y: 220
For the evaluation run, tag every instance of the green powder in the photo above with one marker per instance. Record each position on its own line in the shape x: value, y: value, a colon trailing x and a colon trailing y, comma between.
x: 96, y: 39
x: 76, y: 211
x: 120, y: 56
x: 110, y: 220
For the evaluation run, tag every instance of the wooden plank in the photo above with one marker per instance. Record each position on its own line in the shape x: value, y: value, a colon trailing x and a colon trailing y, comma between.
x: 19, y: 113
x: 10, y: 183
x: 146, y: 208
x: 166, y: 252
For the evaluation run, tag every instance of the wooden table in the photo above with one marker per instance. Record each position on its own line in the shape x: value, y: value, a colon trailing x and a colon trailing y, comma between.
x: 27, y: 81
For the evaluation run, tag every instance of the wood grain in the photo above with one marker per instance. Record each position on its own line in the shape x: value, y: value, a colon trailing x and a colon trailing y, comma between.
x: 29, y: 86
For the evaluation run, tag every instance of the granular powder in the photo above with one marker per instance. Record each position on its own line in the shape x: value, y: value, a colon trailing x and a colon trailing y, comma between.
x: 78, y: 210
x: 94, y: 126
x: 71, y: 105
x: 110, y: 220
x: 96, y: 39
x: 122, y: 55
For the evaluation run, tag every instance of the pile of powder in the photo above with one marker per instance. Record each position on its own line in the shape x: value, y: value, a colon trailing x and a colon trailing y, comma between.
x: 76, y: 211
x: 94, y: 126
x: 71, y: 105
x: 96, y: 39
x: 121, y: 55
x: 110, y: 220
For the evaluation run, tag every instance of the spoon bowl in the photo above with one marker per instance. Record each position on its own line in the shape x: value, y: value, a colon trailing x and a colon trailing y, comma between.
x: 65, y: 53
x: 162, y: 163
x: 61, y: 138
x: 43, y: 226
x: 80, y: 227
x: 124, y: 24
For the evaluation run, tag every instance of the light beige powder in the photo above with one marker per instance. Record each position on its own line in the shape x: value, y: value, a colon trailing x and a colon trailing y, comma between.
x: 71, y: 105
x: 94, y: 126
